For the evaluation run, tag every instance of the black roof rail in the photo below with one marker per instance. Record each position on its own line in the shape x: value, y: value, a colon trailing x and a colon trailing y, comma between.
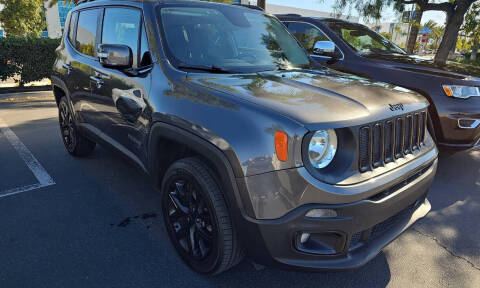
x: 84, y: 1
x: 255, y: 7
x: 288, y: 15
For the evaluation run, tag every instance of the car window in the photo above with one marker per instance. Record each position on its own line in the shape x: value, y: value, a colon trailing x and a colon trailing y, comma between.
x: 122, y: 26
x: 71, y: 27
x: 364, y: 40
x: 306, y: 34
x: 87, y: 31
x: 229, y: 37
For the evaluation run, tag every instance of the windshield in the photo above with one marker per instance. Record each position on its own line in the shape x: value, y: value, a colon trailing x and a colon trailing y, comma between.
x: 364, y: 40
x: 228, y: 39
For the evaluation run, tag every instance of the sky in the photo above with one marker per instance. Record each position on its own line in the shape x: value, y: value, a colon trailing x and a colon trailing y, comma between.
x: 326, y: 6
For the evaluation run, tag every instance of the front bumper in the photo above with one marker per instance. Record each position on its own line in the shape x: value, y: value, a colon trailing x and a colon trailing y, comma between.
x: 460, y: 124
x: 358, y: 233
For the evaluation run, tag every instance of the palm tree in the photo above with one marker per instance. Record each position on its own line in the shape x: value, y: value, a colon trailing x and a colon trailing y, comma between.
x: 431, y: 24
x: 398, y: 31
x: 437, y: 32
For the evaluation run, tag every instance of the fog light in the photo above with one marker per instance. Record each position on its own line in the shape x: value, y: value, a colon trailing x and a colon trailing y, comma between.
x: 320, y: 243
x: 321, y: 213
x: 304, y: 238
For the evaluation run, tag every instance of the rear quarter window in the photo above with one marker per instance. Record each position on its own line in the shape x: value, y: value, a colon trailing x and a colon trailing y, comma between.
x: 71, y: 27
x: 87, y: 31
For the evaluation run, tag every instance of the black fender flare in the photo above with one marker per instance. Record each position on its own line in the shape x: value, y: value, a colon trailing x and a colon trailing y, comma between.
x: 234, y: 188
x: 58, y: 82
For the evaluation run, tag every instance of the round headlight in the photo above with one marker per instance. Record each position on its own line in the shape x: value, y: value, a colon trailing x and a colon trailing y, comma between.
x: 322, y: 148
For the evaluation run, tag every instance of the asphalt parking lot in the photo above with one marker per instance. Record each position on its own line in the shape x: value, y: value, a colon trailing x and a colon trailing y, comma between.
x: 95, y: 222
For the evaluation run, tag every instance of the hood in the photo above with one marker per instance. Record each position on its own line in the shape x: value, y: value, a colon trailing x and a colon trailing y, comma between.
x: 426, y: 65
x: 317, y: 99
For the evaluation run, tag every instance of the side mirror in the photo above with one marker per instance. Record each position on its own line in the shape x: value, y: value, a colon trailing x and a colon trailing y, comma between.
x: 115, y: 56
x: 324, y: 48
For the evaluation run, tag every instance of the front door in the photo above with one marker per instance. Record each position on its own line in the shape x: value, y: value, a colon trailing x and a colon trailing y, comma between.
x: 121, y: 95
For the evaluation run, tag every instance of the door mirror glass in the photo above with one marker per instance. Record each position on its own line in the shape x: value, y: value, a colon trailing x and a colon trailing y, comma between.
x: 115, y: 56
x: 324, y: 48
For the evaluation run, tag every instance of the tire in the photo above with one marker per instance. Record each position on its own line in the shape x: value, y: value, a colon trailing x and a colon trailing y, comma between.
x: 188, y: 190
x: 75, y: 143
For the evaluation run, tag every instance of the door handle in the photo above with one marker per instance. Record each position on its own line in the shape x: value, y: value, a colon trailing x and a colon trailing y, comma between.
x: 99, y: 81
x: 68, y: 67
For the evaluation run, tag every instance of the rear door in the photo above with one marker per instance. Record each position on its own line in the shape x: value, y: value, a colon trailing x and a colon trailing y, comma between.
x: 120, y: 95
x: 69, y: 53
x: 82, y: 62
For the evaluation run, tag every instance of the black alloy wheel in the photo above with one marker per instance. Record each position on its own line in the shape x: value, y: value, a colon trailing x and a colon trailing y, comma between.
x: 190, y: 217
x: 66, y: 127
x: 75, y: 143
x: 197, y: 218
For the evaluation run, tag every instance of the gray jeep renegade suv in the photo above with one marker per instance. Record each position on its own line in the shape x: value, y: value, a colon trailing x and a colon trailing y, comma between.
x: 254, y: 150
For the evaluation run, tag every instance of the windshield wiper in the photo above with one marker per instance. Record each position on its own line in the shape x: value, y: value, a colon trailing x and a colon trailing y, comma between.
x: 213, y: 68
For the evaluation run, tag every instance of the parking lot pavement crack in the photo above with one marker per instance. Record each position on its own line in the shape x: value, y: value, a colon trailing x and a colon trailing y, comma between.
x: 444, y: 247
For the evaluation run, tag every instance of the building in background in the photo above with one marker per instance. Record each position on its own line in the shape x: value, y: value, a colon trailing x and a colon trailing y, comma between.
x: 56, y: 17
x: 279, y: 9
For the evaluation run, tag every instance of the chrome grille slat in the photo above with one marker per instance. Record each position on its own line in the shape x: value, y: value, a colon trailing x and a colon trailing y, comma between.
x: 383, y: 142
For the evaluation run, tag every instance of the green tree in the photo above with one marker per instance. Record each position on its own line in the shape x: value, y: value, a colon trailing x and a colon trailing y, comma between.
x: 471, y: 27
x: 431, y: 24
x: 386, y: 35
x: 22, y: 17
x: 399, y: 31
x: 437, y: 34
x: 414, y: 28
x: 455, y: 10
x: 462, y: 44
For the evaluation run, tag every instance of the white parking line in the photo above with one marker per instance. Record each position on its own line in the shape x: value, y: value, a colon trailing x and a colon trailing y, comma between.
x: 32, y: 163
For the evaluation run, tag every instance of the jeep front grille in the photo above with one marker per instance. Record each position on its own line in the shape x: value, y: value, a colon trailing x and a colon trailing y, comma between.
x: 383, y: 142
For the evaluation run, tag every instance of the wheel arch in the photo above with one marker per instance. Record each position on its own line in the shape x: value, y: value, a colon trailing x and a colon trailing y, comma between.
x: 59, y: 89
x: 168, y: 143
